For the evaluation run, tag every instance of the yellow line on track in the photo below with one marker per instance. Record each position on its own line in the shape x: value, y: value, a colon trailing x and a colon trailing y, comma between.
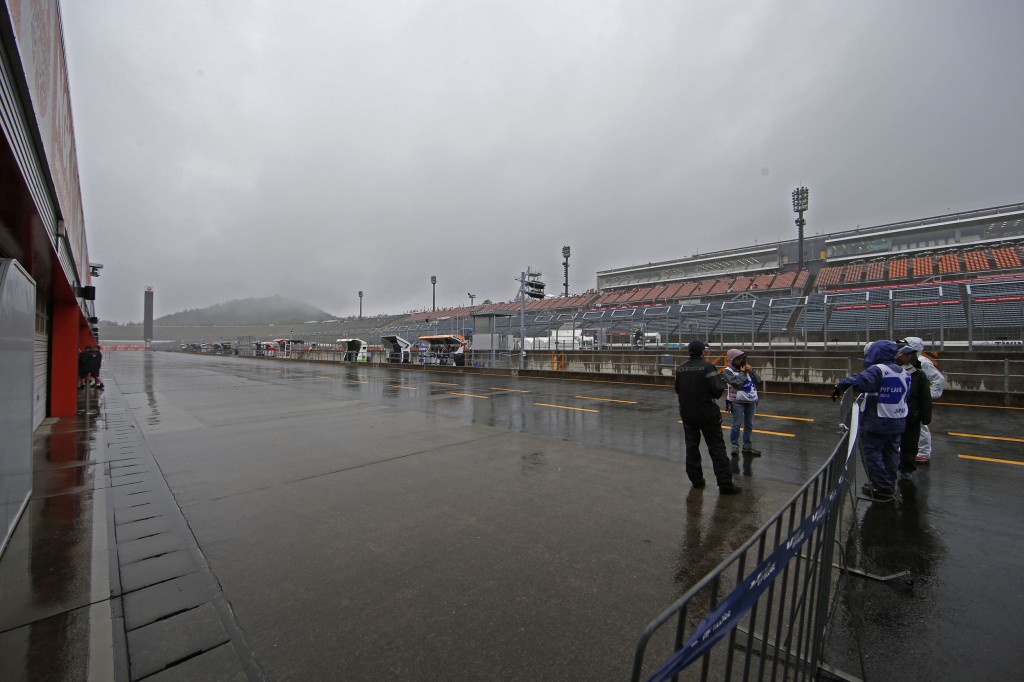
x: 608, y: 400
x: 442, y: 383
x: 407, y: 388
x: 770, y: 433
x: 470, y: 395
x: 976, y: 435
x: 509, y: 390
x: 778, y: 416
x: 991, y: 407
x: 356, y: 381
x: 566, y: 407
x: 991, y: 459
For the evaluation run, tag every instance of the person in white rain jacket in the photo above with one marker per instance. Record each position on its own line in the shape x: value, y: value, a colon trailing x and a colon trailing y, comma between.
x: 937, y: 383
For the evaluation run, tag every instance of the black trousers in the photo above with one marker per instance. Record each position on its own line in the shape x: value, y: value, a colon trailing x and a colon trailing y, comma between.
x: 908, y: 446
x: 712, y: 432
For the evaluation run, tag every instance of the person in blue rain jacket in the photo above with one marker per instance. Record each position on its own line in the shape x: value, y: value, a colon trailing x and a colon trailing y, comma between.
x: 884, y: 416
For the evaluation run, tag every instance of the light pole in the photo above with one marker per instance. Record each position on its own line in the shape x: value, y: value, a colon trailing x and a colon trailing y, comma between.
x: 800, y: 195
x: 360, y: 305
x: 472, y: 297
x: 433, y: 284
x: 565, y: 264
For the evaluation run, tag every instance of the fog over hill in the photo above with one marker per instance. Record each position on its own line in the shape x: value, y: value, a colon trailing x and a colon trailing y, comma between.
x: 244, y: 312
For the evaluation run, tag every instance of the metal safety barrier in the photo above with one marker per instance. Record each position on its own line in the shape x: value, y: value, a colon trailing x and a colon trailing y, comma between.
x: 762, y: 613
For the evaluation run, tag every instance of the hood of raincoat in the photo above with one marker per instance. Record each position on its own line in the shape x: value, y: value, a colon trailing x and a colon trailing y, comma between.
x: 915, y: 342
x: 881, y: 352
x: 733, y: 354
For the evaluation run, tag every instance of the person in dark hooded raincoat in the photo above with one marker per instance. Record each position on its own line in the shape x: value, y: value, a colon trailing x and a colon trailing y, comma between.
x: 884, y: 416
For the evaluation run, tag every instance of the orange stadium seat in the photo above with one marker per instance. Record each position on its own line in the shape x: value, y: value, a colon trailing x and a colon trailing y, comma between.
x: 704, y: 287
x: 829, y: 276
x: 923, y: 266
x: 1006, y: 257
x: 784, y: 281
x: 741, y: 284
x: 949, y: 264
x: 898, y: 268
x: 686, y: 289
x: 853, y: 273
x: 976, y: 261
x: 875, y: 271
x: 720, y: 286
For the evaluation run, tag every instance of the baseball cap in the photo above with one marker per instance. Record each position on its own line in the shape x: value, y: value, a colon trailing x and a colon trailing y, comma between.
x: 906, y: 350
x: 696, y: 348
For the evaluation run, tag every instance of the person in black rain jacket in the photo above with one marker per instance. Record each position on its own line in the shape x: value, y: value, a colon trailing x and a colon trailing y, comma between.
x: 919, y: 410
x: 698, y: 386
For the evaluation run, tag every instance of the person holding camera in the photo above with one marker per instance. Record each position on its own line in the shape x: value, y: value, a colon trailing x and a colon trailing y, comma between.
x: 741, y: 400
x: 699, y: 386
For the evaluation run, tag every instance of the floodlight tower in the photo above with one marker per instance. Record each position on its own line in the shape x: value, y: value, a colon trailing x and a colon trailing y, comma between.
x: 800, y: 195
x: 360, y: 305
x: 433, y: 284
x: 565, y: 264
x: 472, y: 297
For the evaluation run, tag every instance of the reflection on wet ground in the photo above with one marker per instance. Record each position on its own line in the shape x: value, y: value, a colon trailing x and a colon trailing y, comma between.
x: 46, y: 570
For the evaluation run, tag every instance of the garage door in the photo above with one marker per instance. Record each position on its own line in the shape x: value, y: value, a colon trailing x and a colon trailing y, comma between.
x: 41, y: 380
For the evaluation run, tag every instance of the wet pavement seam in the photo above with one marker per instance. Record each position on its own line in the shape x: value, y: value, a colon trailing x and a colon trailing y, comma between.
x: 171, y: 611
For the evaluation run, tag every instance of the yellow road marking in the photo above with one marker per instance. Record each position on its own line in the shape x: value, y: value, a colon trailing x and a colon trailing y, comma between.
x: 770, y: 433
x: 407, y: 388
x: 356, y: 381
x: 470, y: 395
x: 608, y: 400
x: 778, y: 416
x: 975, y: 435
x: 991, y: 459
x: 510, y: 390
x: 991, y: 407
x: 566, y: 407
x: 441, y: 383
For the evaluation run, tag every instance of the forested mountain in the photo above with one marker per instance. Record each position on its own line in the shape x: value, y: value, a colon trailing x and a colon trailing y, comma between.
x: 244, y: 312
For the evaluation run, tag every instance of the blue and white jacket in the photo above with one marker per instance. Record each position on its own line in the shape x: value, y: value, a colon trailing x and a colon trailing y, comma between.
x: 885, y: 385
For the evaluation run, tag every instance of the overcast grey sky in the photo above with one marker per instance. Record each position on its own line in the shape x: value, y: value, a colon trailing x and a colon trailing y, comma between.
x: 236, y: 149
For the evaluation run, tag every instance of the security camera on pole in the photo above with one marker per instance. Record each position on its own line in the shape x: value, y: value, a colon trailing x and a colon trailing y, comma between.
x: 530, y: 286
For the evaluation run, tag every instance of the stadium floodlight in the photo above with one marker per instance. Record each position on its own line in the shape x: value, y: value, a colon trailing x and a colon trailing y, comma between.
x: 433, y: 296
x: 565, y: 264
x: 800, y: 195
x: 471, y: 298
x: 360, y: 305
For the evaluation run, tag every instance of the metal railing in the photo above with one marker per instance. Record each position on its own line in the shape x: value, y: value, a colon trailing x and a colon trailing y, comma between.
x: 762, y: 613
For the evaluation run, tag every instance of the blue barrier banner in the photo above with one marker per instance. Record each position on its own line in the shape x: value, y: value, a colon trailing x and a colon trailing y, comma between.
x: 731, y: 610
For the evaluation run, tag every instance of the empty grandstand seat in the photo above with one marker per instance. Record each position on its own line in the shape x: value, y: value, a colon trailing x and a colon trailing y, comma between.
x: 898, y: 268
x: 852, y: 273
x: 976, y: 261
x: 741, y: 284
x: 949, y: 264
x: 875, y: 271
x: 721, y: 286
x: 762, y: 282
x: 704, y: 287
x: 828, y: 276
x: 923, y: 266
x: 1006, y: 257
